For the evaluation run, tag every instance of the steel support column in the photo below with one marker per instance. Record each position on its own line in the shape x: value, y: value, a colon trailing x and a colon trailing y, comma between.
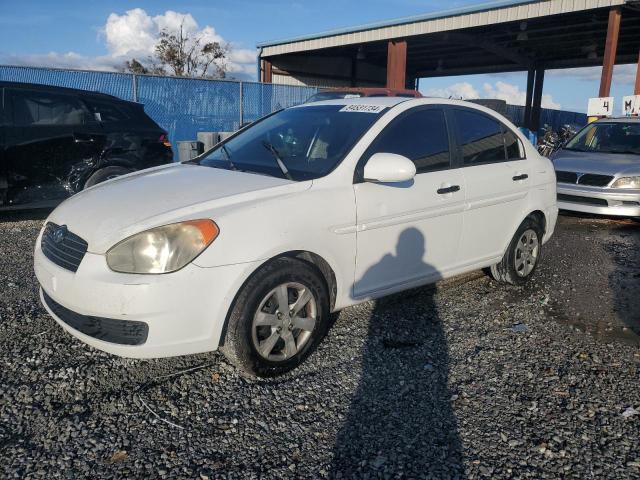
x: 529, y: 99
x: 636, y: 91
x: 396, y: 63
x: 611, y: 46
x: 537, y: 100
x: 266, y: 71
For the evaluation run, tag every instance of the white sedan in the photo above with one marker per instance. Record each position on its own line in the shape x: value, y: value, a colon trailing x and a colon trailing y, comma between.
x: 249, y: 247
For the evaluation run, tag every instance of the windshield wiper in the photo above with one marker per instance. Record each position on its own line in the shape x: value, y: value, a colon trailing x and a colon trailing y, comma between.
x: 227, y: 157
x: 279, y: 161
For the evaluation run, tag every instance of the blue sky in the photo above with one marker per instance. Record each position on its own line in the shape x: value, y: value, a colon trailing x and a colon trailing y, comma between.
x: 99, y: 34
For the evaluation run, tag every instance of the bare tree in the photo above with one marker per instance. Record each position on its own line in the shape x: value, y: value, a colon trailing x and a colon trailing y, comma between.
x: 184, y: 55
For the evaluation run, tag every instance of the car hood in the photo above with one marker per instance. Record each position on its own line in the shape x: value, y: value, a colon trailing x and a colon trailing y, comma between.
x: 594, y: 162
x: 109, y: 212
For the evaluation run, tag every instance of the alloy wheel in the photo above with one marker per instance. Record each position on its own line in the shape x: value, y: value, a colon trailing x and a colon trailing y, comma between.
x: 284, y: 321
x: 527, y: 251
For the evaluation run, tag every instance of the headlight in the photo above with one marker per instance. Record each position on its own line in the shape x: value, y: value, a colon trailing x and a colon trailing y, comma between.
x: 162, y: 249
x: 627, y: 182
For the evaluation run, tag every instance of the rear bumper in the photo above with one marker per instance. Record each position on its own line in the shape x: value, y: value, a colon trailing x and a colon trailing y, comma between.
x: 600, y: 201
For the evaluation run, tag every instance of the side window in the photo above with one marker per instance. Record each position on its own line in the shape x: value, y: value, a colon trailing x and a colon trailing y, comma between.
x: 515, y: 150
x: 420, y: 136
x: 107, y: 112
x: 480, y: 137
x: 43, y: 108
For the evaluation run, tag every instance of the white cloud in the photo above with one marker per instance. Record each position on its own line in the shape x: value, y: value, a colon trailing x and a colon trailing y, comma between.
x: 134, y: 34
x: 514, y: 96
x: 461, y: 90
x: 624, y: 74
x: 500, y: 90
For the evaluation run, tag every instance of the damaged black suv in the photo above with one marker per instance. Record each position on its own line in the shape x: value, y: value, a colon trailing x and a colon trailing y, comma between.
x: 57, y: 141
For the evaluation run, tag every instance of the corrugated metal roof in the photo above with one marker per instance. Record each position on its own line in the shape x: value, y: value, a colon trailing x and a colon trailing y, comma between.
x: 477, y: 8
x: 484, y: 14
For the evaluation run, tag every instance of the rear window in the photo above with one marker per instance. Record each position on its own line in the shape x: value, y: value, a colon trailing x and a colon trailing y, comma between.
x: 108, y: 112
x: 480, y: 137
x: 33, y: 108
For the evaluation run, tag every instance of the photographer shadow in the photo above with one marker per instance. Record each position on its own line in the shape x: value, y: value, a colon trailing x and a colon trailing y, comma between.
x: 401, y: 421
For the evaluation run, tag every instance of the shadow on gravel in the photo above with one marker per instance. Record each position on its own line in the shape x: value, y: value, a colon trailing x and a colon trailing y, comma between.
x: 21, y: 215
x: 624, y: 281
x: 401, y: 421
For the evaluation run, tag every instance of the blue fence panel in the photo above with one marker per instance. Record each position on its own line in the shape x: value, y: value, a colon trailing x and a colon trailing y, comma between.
x: 554, y: 118
x: 185, y: 107
x: 260, y: 99
x: 116, y: 84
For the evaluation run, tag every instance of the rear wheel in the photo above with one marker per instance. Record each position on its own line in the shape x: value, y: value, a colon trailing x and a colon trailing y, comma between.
x: 105, y: 174
x: 278, y: 319
x: 523, y: 255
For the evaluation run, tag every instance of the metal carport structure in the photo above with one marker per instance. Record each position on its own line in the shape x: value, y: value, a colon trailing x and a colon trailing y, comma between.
x: 500, y: 36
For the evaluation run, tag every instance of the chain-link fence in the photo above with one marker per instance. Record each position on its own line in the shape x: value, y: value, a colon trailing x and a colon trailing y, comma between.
x: 556, y: 119
x: 182, y: 106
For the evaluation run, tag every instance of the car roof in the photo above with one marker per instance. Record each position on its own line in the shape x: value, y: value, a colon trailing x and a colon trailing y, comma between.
x: 53, y: 88
x: 393, y: 101
x: 372, y: 91
x: 378, y: 101
x: 618, y: 120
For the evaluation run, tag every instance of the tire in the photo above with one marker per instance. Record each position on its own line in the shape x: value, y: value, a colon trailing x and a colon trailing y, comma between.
x: 523, y: 255
x: 105, y: 174
x: 259, y: 335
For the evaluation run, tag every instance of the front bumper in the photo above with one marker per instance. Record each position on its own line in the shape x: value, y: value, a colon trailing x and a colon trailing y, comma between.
x: 184, y: 311
x: 599, y: 200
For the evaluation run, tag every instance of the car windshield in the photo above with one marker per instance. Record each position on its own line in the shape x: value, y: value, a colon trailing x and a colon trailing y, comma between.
x: 298, y: 143
x: 333, y: 96
x: 607, y: 137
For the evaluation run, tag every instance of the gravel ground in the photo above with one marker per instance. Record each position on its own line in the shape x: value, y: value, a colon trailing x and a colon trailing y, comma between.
x: 467, y: 380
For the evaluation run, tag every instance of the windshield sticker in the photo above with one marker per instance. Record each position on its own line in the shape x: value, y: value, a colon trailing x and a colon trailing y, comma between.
x: 363, y: 108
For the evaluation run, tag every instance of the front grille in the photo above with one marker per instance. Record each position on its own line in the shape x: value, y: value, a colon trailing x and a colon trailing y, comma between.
x: 584, y: 200
x: 595, y: 180
x: 590, y: 179
x: 62, y: 247
x: 123, y: 332
x: 566, y: 177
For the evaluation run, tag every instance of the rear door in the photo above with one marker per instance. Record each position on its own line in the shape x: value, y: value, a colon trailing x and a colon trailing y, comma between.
x: 497, y: 180
x: 409, y: 232
x: 44, y: 137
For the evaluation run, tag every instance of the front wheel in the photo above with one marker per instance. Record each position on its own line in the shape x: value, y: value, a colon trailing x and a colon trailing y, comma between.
x: 523, y: 255
x: 278, y: 318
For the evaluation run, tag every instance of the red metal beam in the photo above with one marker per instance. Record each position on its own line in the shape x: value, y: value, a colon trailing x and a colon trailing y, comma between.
x: 396, y: 63
x: 266, y: 71
x: 611, y: 46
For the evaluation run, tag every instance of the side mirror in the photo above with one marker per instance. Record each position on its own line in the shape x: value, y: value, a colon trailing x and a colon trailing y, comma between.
x: 389, y: 168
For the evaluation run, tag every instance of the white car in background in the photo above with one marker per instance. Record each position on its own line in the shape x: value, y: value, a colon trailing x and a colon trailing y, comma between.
x: 249, y: 247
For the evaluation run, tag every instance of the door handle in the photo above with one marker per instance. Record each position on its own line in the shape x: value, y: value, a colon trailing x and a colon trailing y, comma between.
x: 451, y: 189
x: 524, y: 176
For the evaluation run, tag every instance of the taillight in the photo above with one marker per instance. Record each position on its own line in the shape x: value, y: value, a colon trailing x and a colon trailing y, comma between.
x: 164, y: 139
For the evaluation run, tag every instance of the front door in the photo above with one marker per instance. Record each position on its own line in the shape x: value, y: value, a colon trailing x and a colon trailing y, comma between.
x: 408, y: 233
